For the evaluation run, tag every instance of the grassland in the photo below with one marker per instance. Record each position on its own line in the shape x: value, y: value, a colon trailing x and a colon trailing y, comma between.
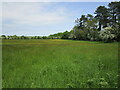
x: 59, y: 64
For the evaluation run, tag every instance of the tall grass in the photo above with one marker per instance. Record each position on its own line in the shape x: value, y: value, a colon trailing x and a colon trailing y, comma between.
x: 59, y: 64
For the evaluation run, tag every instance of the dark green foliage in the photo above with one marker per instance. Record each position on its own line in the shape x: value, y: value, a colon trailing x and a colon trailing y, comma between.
x: 44, y: 37
x: 55, y: 36
x: 79, y: 34
x: 65, y: 35
x: 114, y: 8
x: 3, y: 36
x: 102, y: 15
x: 93, y: 28
x: 81, y: 22
x: 23, y: 37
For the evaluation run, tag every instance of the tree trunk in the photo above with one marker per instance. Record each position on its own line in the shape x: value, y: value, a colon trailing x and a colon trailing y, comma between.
x: 99, y: 26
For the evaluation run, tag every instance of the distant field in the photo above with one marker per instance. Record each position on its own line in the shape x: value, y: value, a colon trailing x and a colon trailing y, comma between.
x: 59, y: 64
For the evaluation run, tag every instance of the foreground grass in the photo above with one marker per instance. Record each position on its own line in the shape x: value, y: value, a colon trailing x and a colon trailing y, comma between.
x: 59, y: 64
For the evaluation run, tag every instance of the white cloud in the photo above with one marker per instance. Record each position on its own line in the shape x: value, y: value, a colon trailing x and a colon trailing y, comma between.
x: 33, y: 14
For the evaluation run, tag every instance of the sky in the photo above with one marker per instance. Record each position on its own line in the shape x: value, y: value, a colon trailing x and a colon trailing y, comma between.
x: 43, y: 18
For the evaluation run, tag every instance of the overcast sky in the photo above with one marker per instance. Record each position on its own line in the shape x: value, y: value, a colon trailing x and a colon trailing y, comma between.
x: 43, y: 18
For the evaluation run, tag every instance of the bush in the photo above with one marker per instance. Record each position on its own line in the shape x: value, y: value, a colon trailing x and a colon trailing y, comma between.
x: 106, y: 35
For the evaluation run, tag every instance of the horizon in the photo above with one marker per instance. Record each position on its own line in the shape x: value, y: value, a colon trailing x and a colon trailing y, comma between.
x: 45, y: 18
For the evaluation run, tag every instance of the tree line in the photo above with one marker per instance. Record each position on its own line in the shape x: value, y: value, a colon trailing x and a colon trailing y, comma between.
x: 23, y: 37
x: 104, y: 25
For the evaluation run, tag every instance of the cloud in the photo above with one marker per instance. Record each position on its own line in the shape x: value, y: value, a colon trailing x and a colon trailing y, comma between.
x: 28, y: 18
x: 41, y: 18
x: 33, y: 14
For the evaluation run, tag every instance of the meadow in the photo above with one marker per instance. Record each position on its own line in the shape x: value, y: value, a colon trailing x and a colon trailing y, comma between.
x: 59, y: 64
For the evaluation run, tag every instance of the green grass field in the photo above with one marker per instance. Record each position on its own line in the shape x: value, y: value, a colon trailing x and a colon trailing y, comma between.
x: 59, y: 64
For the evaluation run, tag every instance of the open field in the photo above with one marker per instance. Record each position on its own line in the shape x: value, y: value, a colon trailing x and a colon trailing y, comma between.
x: 59, y: 64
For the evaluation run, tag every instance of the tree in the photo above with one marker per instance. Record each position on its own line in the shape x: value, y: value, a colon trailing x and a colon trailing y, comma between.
x: 79, y: 34
x: 115, y: 30
x: 15, y: 37
x: 65, y: 35
x: 3, y: 36
x: 115, y: 11
x: 114, y: 8
x: 44, y: 37
x: 91, y: 28
x: 106, y: 35
x: 102, y: 14
x: 56, y: 36
x: 81, y: 22
x: 38, y: 37
x: 90, y: 17
x: 71, y: 34
x: 91, y: 22
x: 23, y: 37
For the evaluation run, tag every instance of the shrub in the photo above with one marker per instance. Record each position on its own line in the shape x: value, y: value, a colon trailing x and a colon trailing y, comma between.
x: 106, y: 35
